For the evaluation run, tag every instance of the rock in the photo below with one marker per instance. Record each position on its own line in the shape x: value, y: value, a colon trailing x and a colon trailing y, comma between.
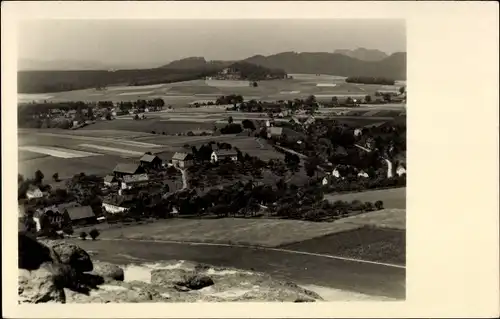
x: 74, y: 256
x: 108, y: 294
x: 108, y: 271
x: 198, y: 281
x: 169, y: 277
x: 40, y: 285
x: 31, y: 253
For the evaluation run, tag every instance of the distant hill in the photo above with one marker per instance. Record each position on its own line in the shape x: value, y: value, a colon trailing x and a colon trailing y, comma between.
x: 196, y: 63
x: 394, y: 66
x: 75, y: 65
x: 363, y: 54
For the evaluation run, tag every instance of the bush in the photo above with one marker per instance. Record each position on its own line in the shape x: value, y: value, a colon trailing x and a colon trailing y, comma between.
x: 94, y: 233
x: 153, y: 132
x: 55, y: 177
x: 83, y: 235
x: 68, y: 230
x: 379, y: 205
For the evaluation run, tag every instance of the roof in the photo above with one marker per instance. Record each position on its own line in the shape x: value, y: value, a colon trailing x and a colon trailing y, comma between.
x: 136, y: 178
x: 121, y: 201
x: 109, y: 179
x: 226, y: 152
x: 67, y: 205
x: 180, y: 156
x: 33, y: 188
x: 149, y: 158
x: 129, y: 168
x: 276, y: 130
x: 80, y: 212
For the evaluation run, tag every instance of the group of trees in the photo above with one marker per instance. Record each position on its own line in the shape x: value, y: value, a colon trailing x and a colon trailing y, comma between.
x: 140, y: 104
x: 370, y: 80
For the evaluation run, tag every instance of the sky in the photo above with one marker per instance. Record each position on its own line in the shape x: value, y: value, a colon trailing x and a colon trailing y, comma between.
x: 143, y: 42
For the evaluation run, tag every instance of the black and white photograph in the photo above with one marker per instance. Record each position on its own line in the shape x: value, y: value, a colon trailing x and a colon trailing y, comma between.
x: 226, y: 160
x: 279, y: 153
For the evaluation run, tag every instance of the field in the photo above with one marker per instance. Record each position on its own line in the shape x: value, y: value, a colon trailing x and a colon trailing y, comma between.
x: 392, y: 197
x: 181, y: 93
x: 381, y: 245
x: 259, y: 232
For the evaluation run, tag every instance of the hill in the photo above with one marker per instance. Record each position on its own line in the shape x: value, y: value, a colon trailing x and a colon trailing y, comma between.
x: 394, y: 66
x: 196, y: 63
x: 363, y: 54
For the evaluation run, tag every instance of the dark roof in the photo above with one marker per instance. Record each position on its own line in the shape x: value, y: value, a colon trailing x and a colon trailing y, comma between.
x: 80, y: 212
x: 109, y: 178
x: 180, y: 156
x: 129, y: 168
x: 121, y: 201
x: 149, y: 158
x: 226, y: 152
x: 135, y: 178
x: 62, y: 206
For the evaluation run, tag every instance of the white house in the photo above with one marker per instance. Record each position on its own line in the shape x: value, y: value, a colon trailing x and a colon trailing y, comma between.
x: 400, y: 170
x: 268, y: 124
x: 34, y: 192
x: 363, y: 174
x: 358, y: 132
x: 113, y: 209
x: 336, y: 173
x: 219, y: 155
x: 325, y: 181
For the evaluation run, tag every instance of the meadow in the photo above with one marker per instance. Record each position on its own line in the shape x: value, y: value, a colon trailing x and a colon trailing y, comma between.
x: 392, y: 197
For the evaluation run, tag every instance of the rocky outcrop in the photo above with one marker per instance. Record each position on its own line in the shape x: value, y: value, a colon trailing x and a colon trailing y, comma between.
x: 40, y: 285
x: 109, y: 272
x: 73, y: 256
x: 66, y: 274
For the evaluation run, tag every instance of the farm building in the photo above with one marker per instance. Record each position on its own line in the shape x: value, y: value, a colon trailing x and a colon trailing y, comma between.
x: 149, y: 161
x: 80, y: 215
x: 33, y: 192
x: 358, y: 132
x: 124, y: 169
x: 400, y: 170
x: 110, y: 180
x: 220, y: 155
x: 117, y: 204
x: 182, y: 160
x: 274, y: 132
x: 134, y: 181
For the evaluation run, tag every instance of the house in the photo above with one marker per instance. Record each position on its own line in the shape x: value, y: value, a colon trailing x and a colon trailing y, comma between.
x: 110, y: 181
x: 33, y: 192
x: 358, y: 132
x: 123, y: 169
x: 80, y: 215
x: 363, y: 174
x: 274, y: 132
x: 149, y: 161
x: 310, y: 120
x: 182, y: 160
x: 117, y: 204
x: 401, y: 170
x: 220, y: 155
x: 134, y: 181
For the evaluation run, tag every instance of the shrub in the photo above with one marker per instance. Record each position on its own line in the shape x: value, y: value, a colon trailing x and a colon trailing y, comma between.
x: 94, y: 233
x: 153, y: 132
x: 83, y: 235
x: 68, y: 230
x: 379, y: 205
x: 55, y: 177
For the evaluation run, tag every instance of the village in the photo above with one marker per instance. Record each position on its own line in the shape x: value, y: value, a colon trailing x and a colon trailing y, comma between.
x: 138, y: 189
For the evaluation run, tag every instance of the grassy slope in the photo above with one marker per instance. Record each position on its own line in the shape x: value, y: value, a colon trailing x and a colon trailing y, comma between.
x: 392, y: 198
